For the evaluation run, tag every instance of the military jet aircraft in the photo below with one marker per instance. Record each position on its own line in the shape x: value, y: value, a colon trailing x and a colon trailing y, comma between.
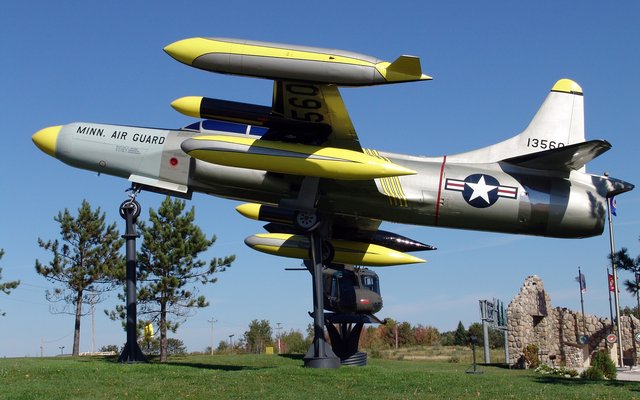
x: 301, y: 167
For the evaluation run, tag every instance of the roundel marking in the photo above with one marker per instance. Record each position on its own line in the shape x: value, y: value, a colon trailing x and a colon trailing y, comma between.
x: 481, y: 190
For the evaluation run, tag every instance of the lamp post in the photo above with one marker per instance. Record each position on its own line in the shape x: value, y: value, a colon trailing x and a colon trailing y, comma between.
x: 212, y: 321
x: 279, y: 330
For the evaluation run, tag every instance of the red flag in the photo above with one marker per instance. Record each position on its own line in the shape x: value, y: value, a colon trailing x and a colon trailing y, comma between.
x: 612, y: 286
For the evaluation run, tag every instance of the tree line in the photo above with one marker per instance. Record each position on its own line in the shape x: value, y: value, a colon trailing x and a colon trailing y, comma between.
x: 259, y: 335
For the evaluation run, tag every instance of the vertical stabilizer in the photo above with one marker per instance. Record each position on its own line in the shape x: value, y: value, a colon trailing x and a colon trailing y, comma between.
x: 560, y: 119
x: 559, y: 122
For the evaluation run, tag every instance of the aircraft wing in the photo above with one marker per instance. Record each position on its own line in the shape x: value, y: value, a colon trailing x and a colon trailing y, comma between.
x: 320, y: 108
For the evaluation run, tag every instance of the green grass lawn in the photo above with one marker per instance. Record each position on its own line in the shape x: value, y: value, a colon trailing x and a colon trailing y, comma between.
x: 262, y: 376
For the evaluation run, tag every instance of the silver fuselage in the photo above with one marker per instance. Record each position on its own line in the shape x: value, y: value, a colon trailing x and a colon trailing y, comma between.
x: 496, y: 197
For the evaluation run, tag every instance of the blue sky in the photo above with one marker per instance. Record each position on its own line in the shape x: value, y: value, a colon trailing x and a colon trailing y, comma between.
x: 493, y: 64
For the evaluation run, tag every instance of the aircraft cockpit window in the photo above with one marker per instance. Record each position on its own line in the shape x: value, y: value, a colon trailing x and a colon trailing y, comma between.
x: 222, y: 126
x: 192, y: 127
x: 370, y: 283
x: 258, y: 130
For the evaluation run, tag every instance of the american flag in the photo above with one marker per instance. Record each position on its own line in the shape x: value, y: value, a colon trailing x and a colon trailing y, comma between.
x: 583, y: 283
x: 612, y: 206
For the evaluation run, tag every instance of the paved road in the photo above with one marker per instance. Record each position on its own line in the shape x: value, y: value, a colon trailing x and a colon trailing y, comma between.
x: 629, y: 375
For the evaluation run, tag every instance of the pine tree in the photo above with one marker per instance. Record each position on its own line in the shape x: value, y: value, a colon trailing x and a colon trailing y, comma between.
x: 460, y: 337
x: 6, y: 287
x: 168, y: 262
x: 87, y: 265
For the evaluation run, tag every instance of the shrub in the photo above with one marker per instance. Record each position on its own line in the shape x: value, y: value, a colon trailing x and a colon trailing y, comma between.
x: 110, y: 348
x: 531, y: 355
x: 375, y: 353
x: 592, y: 373
x: 603, y: 363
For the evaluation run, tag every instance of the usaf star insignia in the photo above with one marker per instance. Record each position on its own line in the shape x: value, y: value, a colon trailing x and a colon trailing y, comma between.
x: 480, y: 190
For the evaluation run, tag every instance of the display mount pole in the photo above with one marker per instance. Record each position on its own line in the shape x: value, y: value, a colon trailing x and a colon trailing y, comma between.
x: 320, y: 354
x: 129, y: 211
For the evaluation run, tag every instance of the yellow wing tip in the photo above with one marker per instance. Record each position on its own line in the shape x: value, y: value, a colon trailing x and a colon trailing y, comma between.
x: 567, y: 86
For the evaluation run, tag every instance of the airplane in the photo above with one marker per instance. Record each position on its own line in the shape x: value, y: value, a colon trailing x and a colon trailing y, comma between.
x: 301, y: 168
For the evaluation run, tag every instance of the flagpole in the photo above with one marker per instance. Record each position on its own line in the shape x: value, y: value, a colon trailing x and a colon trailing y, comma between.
x: 610, y: 304
x: 637, y: 293
x: 616, y: 295
x: 584, y: 321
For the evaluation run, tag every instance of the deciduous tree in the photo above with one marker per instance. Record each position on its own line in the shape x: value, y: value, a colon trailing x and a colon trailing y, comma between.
x: 294, y: 342
x: 87, y: 264
x: 258, y: 336
x: 426, y: 335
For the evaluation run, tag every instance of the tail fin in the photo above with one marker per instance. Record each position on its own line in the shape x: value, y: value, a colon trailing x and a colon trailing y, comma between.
x: 558, y: 123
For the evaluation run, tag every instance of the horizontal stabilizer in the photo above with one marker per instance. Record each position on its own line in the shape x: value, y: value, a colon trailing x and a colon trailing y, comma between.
x: 567, y: 158
x: 405, y: 68
x: 407, y: 65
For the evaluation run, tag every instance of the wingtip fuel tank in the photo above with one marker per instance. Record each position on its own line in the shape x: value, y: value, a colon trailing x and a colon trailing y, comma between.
x: 289, y: 62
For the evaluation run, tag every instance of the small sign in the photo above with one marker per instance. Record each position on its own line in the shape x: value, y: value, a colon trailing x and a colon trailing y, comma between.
x: 612, y: 338
x: 637, y: 337
x: 583, y: 339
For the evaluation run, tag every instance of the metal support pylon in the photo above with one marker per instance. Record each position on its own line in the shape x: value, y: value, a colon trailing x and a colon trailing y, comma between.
x: 319, y: 354
x: 130, y: 210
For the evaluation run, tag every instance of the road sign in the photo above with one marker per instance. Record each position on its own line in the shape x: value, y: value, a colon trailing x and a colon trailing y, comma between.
x: 584, y: 339
x: 612, y: 338
x: 637, y: 337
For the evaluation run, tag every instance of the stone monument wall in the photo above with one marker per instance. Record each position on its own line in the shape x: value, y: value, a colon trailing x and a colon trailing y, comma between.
x: 531, y: 319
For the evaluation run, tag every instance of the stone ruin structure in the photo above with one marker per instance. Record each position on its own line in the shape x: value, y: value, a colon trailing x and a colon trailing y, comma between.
x: 556, y: 331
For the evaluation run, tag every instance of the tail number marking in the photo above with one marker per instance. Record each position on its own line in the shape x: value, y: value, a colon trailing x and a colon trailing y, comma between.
x: 543, y: 143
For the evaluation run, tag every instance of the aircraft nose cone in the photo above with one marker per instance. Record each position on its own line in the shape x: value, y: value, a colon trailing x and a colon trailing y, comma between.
x: 46, y: 139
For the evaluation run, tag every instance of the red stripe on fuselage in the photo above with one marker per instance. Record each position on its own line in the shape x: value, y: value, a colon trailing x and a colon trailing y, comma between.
x: 444, y: 160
